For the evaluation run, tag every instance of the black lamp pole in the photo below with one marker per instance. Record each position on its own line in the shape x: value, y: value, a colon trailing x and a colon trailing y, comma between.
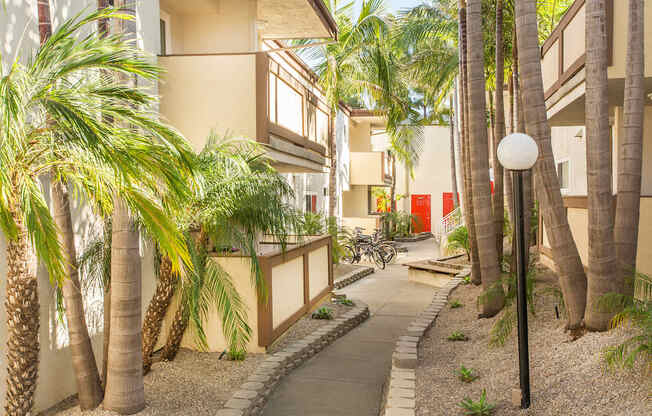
x: 521, y: 296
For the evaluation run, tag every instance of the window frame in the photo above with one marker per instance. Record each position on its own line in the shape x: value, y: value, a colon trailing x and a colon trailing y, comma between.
x: 566, y: 189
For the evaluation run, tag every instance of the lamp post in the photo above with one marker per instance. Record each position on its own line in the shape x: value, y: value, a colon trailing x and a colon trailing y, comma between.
x: 518, y: 152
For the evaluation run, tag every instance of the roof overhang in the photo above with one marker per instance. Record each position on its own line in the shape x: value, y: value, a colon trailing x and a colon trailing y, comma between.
x: 295, y: 19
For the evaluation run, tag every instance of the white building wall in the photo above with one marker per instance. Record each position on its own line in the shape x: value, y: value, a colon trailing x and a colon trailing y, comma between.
x: 19, y: 39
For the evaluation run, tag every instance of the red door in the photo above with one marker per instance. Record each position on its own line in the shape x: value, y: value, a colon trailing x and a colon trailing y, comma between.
x: 421, y: 210
x: 449, y: 206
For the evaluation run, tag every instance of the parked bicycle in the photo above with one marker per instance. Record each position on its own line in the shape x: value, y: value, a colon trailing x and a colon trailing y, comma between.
x: 373, y: 248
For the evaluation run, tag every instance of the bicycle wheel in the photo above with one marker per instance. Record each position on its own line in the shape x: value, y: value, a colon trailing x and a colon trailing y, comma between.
x: 389, y: 252
x: 349, y: 255
x: 379, y: 259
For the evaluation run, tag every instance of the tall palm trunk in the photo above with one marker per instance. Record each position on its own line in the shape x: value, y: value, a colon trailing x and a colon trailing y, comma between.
x: 393, y: 187
x: 175, y: 334
x: 87, y: 376
x: 565, y: 254
x: 22, y: 308
x: 630, y: 148
x: 157, y: 309
x: 484, y: 222
x: 602, y: 275
x: 499, y: 132
x: 528, y: 188
x: 476, y: 272
x: 456, y: 202
x: 332, y: 176
x: 125, y: 390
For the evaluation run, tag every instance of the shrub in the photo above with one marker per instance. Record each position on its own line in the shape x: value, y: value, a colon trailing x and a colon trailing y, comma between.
x: 456, y: 304
x: 322, y: 313
x: 457, y: 336
x: 312, y: 223
x: 479, y: 408
x: 345, y: 302
x: 237, y: 355
x: 459, y: 240
x: 467, y: 375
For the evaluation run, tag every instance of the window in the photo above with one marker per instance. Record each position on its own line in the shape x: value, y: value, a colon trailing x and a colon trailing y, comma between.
x: 162, y: 29
x: 311, y: 203
x: 379, y: 200
x: 563, y: 173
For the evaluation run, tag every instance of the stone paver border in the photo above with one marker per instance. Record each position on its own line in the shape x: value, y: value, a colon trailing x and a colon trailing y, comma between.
x: 401, y: 391
x: 353, y: 276
x: 252, y: 395
x: 414, y: 239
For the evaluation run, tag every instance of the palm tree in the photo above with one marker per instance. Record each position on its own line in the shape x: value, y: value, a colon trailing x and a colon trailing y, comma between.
x: 571, y: 271
x: 452, y: 116
x: 499, y: 131
x: 479, y: 157
x: 602, y: 254
x: 92, y: 158
x: 89, y: 386
x: 630, y: 148
x: 476, y: 272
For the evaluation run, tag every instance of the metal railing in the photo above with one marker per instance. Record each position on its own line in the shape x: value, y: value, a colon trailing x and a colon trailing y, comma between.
x: 449, y: 223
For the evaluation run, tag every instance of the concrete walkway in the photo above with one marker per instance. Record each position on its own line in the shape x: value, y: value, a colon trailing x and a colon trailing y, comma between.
x: 347, y: 377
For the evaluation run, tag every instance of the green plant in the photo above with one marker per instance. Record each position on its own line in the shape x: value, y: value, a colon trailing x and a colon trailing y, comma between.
x: 340, y: 236
x: 480, y: 408
x: 345, y: 302
x: 236, y: 355
x: 467, y: 375
x: 323, y: 313
x: 457, y: 336
x: 312, y: 223
x: 455, y: 304
x: 459, y: 240
x: 398, y: 224
x: 466, y: 280
x: 636, y: 312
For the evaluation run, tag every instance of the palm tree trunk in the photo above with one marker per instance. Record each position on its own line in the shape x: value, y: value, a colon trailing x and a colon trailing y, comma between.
x: 602, y: 254
x: 631, y: 149
x: 499, y: 132
x: 476, y: 272
x: 571, y: 272
x: 332, y: 177
x: 456, y: 202
x: 485, y: 224
x: 87, y: 376
x: 175, y: 334
x: 108, y: 231
x: 125, y: 391
x: 393, y: 188
x: 157, y: 309
x: 22, y: 308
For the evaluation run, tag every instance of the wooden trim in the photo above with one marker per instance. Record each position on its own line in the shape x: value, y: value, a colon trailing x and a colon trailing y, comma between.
x: 282, y: 257
x: 265, y: 308
x: 563, y: 78
x: 331, y: 276
x: 319, y: 296
x: 262, y: 98
x: 563, y: 23
x: 291, y: 136
x: 575, y: 202
x: 285, y: 325
x: 325, y: 16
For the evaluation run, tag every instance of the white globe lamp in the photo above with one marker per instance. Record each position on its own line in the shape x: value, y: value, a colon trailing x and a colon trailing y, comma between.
x: 518, y: 151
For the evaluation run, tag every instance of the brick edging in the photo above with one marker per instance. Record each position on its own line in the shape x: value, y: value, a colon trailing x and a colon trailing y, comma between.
x: 415, y: 239
x: 250, y: 398
x: 401, y: 391
x: 353, y: 276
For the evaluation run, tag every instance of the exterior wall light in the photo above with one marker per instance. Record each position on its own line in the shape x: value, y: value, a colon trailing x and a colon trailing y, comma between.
x: 518, y: 152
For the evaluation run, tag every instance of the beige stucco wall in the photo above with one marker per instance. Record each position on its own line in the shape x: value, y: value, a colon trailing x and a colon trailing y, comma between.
x: 617, y: 70
x: 224, y: 26
x: 366, y: 168
x: 204, y: 93
x: 574, y: 35
x: 318, y: 271
x: 355, y: 201
x: 287, y: 282
x: 550, y: 66
x: 565, y: 146
x: 360, y: 136
x: 56, y: 382
x: 368, y: 224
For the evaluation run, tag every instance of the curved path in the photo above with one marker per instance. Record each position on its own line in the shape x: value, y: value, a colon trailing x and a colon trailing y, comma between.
x: 347, y: 377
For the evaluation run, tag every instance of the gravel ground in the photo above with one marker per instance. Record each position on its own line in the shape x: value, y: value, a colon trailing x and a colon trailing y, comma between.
x: 306, y: 326
x: 567, y: 378
x: 194, y: 383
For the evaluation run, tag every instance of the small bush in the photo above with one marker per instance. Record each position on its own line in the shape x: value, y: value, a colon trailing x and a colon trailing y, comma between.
x: 322, y: 313
x: 456, y: 304
x: 479, y: 408
x: 466, y: 280
x: 236, y: 355
x: 459, y: 240
x: 467, y: 375
x: 345, y: 302
x: 457, y: 336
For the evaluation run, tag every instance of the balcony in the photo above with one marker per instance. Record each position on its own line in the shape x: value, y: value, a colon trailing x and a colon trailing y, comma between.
x: 251, y: 95
x: 563, y: 57
x: 370, y: 168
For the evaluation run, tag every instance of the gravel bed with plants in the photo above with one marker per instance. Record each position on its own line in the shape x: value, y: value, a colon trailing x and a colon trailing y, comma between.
x: 195, y: 383
x: 567, y: 377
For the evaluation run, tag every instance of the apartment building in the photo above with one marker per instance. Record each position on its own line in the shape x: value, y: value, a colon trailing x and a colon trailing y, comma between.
x: 564, y: 79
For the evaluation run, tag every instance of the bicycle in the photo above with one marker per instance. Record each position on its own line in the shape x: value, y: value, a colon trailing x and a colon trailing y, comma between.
x: 364, y: 246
